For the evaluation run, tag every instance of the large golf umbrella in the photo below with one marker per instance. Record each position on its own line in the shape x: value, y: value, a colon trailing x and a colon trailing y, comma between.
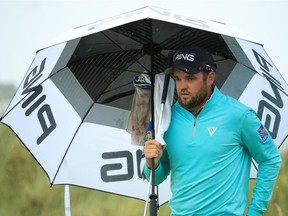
x: 72, y: 107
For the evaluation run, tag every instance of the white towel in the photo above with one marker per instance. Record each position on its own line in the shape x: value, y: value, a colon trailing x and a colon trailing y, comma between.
x: 161, y: 125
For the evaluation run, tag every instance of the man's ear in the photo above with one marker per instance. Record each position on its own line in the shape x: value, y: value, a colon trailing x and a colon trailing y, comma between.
x: 211, y: 77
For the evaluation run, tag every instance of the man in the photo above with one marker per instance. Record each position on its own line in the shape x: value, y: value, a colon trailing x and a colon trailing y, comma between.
x: 209, y: 146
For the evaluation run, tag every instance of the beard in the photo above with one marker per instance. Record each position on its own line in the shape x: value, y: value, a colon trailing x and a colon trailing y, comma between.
x: 197, y: 100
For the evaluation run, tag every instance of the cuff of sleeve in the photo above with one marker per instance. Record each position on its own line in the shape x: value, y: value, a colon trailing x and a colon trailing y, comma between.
x: 253, y: 212
x: 146, y: 172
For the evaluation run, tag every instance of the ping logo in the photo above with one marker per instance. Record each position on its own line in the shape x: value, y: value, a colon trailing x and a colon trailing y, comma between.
x: 212, y: 130
x: 187, y: 57
x: 36, y: 100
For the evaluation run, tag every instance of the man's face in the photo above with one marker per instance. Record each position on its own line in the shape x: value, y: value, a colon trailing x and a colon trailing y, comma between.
x: 192, y: 89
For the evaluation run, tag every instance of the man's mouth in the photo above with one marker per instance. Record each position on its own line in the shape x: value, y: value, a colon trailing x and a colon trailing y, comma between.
x: 184, y: 93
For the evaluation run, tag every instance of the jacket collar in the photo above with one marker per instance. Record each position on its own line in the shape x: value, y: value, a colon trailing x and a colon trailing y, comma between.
x: 210, y: 103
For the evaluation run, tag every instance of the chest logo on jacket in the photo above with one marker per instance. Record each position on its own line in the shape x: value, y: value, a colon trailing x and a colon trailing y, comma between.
x: 212, y: 130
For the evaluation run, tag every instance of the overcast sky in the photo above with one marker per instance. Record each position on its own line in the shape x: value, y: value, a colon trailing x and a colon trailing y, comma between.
x: 28, y: 25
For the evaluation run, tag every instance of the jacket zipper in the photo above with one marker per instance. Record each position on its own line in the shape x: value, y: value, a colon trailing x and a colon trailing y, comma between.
x: 195, y: 123
x: 194, y: 128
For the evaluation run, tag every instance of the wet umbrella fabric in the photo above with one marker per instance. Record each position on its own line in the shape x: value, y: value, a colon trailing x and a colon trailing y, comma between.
x: 72, y: 107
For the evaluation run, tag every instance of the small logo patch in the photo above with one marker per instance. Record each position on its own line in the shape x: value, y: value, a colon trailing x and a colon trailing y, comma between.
x: 212, y: 130
x: 263, y: 133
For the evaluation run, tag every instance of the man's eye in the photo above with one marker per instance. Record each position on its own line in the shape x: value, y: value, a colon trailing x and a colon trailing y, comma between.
x: 176, y: 78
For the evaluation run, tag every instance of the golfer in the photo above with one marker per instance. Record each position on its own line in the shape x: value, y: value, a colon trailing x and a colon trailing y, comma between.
x: 210, y: 143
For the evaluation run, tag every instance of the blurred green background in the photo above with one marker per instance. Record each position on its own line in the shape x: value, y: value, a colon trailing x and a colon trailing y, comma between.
x: 25, y: 189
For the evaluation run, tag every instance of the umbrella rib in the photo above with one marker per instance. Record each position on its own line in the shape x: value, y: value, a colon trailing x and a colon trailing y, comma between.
x: 134, y: 29
x: 116, y: 97
x: 113, y: 73
x: 124, y: 50
x: 96, y: 67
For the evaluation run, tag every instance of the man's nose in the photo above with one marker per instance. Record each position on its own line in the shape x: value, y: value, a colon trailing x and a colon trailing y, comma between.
x: 182, y: 84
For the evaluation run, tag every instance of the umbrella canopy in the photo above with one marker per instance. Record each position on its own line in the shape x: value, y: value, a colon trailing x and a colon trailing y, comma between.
x: 72, y: 107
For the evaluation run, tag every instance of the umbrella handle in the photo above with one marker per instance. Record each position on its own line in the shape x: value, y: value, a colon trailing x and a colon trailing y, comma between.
x: 153, y: 196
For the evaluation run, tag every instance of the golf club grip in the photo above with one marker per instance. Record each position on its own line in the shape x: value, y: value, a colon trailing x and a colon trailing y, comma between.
x: 165, y: 88
x: 167, y: 78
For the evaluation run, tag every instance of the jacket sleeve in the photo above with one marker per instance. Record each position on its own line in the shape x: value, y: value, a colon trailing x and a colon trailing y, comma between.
x: 263, y: 150
x: 161, y: 172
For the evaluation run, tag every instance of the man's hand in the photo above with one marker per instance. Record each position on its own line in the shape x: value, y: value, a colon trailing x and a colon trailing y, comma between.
x: 152, y: 149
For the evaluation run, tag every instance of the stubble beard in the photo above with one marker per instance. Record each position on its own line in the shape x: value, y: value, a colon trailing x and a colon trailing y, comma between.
x: 196, y: 100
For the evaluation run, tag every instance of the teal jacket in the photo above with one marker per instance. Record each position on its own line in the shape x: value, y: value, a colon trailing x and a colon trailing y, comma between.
x: 209, y: 158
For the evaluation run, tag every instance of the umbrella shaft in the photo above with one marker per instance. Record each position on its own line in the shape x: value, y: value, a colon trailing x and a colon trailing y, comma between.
x: 153, y: 195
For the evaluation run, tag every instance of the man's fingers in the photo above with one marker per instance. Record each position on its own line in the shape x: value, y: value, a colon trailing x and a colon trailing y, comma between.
x: 153, y: 149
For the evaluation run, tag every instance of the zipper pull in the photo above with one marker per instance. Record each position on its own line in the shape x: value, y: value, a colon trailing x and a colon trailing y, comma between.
x: 194, y: 129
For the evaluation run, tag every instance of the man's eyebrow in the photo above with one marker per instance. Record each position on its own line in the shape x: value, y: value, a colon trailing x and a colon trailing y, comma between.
x: 190, y: 76
x: 187, y: 76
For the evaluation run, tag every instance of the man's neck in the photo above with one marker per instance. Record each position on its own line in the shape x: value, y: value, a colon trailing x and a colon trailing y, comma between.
x: 196, y: 110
